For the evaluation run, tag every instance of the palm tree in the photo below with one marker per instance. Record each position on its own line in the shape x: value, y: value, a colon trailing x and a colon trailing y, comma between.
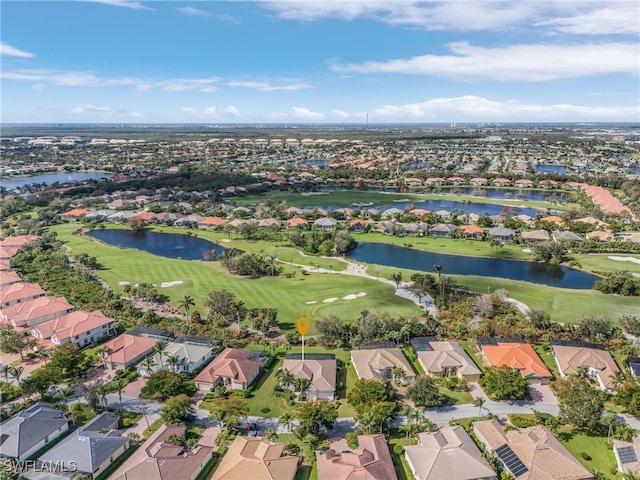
x: 609, y: 421
x: 286, y: 420
x: 272, y: 435
x: 629, y: 475
x: 397, y: 278
x: 160, y: 348
x: 479, y: 402
x: 120, y: 384
x: 617, y: 379
x: 301, y: 384
x: 148, y: 364
x: 239, y: 310
x: 173, y: 361
x: 64, y: 393
x: 439, y: 269
x: 16, y: 374
x: 102, y: 393
x: 5, y: 369
x: 186, y: 303
x: 285, y: 377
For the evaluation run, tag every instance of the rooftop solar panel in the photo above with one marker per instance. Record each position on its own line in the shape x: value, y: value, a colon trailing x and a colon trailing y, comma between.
x: 627, y: 455
x: 511, y: 460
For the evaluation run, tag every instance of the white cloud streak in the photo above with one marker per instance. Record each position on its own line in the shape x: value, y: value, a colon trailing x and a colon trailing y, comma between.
x: 268, y: 87
x: 7, y: 50
x: 620, y: 18
x: 534, y: 62
x: 474, y: 108
x: 302, y: 112
x: 134, y: 5
x: 194, y: 12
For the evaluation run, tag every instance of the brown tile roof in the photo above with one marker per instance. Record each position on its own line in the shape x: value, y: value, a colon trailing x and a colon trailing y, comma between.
x: 256, y: 458
x: 18, y: 240
x: 9, y: 251
x: 445, y: 355
x: 126, y: 348
x: 570, y: 359
x: 241, y: 366
x: 19, y: 291
x: 31, y: 311
x: 321, y: 373
x: 72, y: 324
x: 77, y: 212
x: 372, y: 461
x: 535, y: 235
x: 296, y: 222
x: 543, y: 455
x: 158, y: 459
x: 519, y: 356
x: 369, y: 363
x: 7, y: 278
x: 213, y: 221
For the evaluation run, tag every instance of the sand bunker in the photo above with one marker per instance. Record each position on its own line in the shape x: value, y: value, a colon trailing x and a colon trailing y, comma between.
x: 171, y: 284
x: 351, y: 296
x: 226, y: 240
x: 329, y: 300
x: 361, y: 294
x: 625, y: 259
x: 124, y: 283
x: 311, y: 302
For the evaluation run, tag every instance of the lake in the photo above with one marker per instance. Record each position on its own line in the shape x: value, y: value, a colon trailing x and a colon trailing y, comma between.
x: 403, y: 257
x: 16, y: 183
x: 549, y: 169
x: 168, y: 245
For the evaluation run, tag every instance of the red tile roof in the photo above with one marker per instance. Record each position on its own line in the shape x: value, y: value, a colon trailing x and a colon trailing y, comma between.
x: 519, y: 356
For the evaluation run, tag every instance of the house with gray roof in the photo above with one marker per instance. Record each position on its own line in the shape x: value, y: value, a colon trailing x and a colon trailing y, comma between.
x: 31, y: 429
x: 91, y: 448
x: 566, y: 236
x: 326, y: 223
x: 442, y: 230
x: 448, y: 359
x: 501, y: 234
x: 191, y: 353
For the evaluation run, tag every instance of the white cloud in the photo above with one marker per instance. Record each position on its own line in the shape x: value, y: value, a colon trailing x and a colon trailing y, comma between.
x: 90, y: 109
x: 228, y: 19
x: 194, y: 12
x: 188, y: 109
x: 341, y: 113
x: 533, y: 62
x: 278, y: 116
x: 10, y: 51
x: 302, y: 112
x: 134, y: 5
x: 474, y: 108
x: 233, y: 111
x: 268, y: 87
x: 210, y: 111
x: 618, y: 18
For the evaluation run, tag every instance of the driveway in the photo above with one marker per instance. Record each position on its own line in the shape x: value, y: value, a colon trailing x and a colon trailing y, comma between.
x: 543, y: 394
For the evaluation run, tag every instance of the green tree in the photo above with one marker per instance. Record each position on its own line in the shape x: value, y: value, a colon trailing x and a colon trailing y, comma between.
x: 286, y: 420
x: 229, y: 410
x: 14, y: 342
x: 580, y: 404
x: 504, y: 383
x: 367, y: 392
x: 315, y: 415
x: 177, y: 410
x: 382, y: 412
x: 397, y: 278
x: 479, y: 402
x: 162, y: 385
x: 186, y: 303
x: 424, y: 393
x: 69, y: 359
x: 160, y: 348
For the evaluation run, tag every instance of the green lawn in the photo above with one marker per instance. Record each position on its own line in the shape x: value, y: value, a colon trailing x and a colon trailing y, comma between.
x: 402, y: 468
x: 596, y: 448
x: 600, y: 262
x: 545, y: 353
x: 291, y: 296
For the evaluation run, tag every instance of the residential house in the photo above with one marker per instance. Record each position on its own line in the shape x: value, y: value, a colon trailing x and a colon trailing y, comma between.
x: 571, y: 357
x: 553, y: 219
x: 35, y: 312
x: 515, y: 355
x: 190, y: 354
x: 413, y: 182
x: 524, y: 183
x: 100, y: 215
x: 79, y: 327
x: 627, y: 455
x: 18, y: 240
x: 9, y: 278
x: 501, y: 182
x: 600, y: 236
x: 126, y: 350
x: 435, y: 181
x: 269, y: 223
x: 19, y: 292
x: 326, y: 223
x: 471, y: 231
x: 386, y: 227
x: 319, y: 369
x: 76, y: 214
x: 478, y: 181
x: 501, y: 234
x: 162, y: 459
x: 535, y: 236
x: 298, y: 222
x: 294, y: 212
x: 456, y: 181
x: 121, y: 217
x: 212, y: 223
x: 548, y: 184
x: 442, y: 230
x: 447, y: 454
x: 358, y: 225
x: 256, y: 458
x: 91, y: 448
x: 530, y: 453
x: 634, y: 366
x: 560, y: 236
x: 380, y: 363
x: 370, y: 461
x: 234, y: 369
x: 391, y: 212
x: 448, y: 359
x: 571, y: 186
x: 29, y: 430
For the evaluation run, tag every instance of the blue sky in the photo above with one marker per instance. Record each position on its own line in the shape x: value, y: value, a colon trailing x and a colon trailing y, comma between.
x: 320, y: 61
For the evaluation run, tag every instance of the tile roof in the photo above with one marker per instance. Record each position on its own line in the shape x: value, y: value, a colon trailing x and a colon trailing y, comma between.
x: 126, y: 348
x: 256, y: 458
x: 371, y: 461
x: 10, y: 294
x: 519, y: 356
x: 322, y: 373
x: 447, y: 354
x: 541, y: 453
x: 239, y: 365
x: 72, y: 324
x: 448, y: 454
x: 18, y: 240
x: 31, y: 311
x: 571, y: 358
x: 369, y: 363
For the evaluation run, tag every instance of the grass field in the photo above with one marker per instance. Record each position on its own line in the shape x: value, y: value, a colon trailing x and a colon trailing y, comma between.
x: 596, y: 447
x: 288, y: 295
x: 347, y: 197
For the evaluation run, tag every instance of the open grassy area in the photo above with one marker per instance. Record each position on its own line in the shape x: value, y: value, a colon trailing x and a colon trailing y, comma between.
x: 288, y: 295
x: 595, y: 447
x: 545, y: 353
x: 399, y: 462
x: 602, y: 263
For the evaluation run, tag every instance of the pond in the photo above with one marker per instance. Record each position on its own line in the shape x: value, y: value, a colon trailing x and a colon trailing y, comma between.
x: 505, y: 193
x: 549, y: 169
x: 403, y: 257
x: 16, y: 183
x: 169, y: 245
